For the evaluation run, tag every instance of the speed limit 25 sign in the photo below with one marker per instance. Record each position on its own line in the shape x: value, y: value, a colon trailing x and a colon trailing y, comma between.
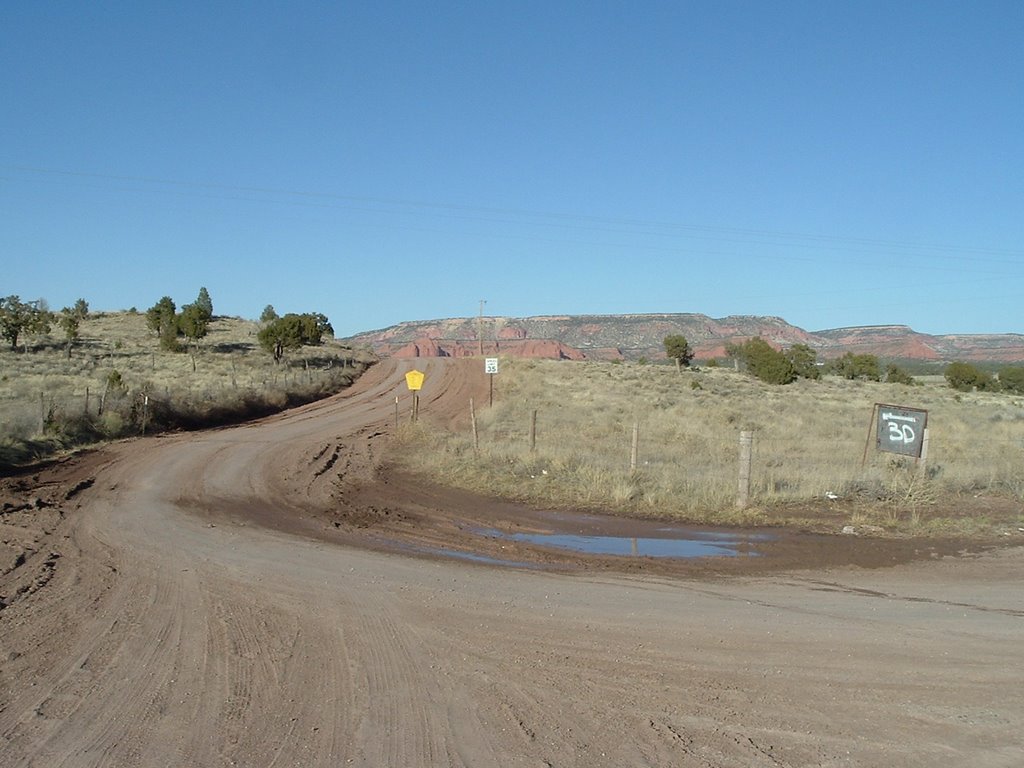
x: 900, y: 429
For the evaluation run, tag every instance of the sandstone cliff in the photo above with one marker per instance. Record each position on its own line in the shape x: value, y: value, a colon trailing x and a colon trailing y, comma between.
x: 610, y: 337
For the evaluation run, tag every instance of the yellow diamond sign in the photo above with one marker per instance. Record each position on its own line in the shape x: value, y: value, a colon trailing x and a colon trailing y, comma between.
x: 414, y: 380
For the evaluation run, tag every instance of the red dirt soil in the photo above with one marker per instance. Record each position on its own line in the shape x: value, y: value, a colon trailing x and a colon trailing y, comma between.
x: 253, y: 596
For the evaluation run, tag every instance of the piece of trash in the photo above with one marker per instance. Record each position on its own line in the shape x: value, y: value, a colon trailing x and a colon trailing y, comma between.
x: 831, y: 496
x: 849, y: 529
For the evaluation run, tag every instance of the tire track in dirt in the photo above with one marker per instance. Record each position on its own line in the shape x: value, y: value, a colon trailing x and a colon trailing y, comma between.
x: 216, y: 465
x: 399, y: 710
x: 96, y: 663
x: 178, y: 630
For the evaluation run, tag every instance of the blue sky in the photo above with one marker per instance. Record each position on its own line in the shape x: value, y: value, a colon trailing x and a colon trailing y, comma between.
x: 832, y: 163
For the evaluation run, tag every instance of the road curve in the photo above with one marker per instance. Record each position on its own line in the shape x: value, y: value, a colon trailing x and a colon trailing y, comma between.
x: 177, y: 630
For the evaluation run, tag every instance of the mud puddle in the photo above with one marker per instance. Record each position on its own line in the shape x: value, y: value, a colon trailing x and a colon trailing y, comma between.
x: 675, y: 543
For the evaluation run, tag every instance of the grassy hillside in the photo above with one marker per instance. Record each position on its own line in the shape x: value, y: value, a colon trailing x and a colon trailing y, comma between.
x: 809, y: 444
x: 117, y: 377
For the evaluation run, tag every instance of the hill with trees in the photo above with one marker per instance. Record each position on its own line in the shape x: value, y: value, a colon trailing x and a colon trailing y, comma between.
x: 78, y: 376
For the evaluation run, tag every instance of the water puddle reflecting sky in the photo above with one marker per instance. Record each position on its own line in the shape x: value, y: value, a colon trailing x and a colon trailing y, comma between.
x: 680, y: 543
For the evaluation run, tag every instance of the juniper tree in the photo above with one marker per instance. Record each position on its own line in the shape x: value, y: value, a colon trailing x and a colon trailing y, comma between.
x: 763, y: 361
x: 18, y: 317
x: 293, y: 331
x: 896, y: 375
x: 204, y: 302
x: 965, y: 377
x: 678, y: 348
x: 194, y: 322
x: 851, y: 366
x: 70, y: 319
x: 804, y: 361
x: 1012, y: 379
x: 269, y: 314
x: 162, y: 319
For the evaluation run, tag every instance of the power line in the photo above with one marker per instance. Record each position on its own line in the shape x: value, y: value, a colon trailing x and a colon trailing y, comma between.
x: 520, y: 217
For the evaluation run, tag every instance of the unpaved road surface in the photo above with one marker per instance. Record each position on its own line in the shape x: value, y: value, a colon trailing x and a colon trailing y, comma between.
x: 229, y: 598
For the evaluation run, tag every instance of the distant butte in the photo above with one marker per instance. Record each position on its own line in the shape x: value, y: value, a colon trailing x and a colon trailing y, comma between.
x: 631, y: 337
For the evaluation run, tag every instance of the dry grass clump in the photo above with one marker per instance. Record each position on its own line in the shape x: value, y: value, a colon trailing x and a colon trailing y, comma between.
x: 117, y: 377
x: 808, y: 446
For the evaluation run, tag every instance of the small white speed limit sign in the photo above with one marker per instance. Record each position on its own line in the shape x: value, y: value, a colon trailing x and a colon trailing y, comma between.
x: 490, y: 365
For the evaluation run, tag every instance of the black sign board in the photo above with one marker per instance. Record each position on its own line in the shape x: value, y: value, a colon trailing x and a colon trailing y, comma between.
x: 899, y: 429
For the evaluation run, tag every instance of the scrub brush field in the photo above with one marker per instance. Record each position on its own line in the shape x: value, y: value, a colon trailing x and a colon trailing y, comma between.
x: 814, y: 458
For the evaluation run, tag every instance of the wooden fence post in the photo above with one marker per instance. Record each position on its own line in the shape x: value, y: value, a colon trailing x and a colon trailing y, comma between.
x: 867, y: 441
x: 533, y: 430
x: 472, y: 420
x: 922, y: 462
x: 635, y: 447
x: 746, y: 446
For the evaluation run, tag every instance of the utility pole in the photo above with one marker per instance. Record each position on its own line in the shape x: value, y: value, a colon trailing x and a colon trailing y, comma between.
x: 480, y: 327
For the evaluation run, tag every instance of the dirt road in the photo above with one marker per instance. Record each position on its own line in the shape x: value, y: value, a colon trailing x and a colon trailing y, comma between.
x: 196, y: 600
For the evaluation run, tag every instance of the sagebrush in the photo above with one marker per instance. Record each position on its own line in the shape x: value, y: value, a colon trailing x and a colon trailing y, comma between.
x: 813, y: 441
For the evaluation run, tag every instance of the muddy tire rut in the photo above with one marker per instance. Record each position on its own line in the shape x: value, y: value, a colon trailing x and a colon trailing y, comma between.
x: 203, y: 599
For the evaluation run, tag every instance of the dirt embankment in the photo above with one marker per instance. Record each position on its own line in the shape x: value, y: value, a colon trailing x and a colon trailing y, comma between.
x: 197, y: 600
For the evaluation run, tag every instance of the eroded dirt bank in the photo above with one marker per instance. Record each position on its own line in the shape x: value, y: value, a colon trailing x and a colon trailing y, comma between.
x: 197, y: 600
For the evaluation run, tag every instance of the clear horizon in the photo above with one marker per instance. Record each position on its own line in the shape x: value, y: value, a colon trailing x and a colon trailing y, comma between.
x: 835, y: 165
